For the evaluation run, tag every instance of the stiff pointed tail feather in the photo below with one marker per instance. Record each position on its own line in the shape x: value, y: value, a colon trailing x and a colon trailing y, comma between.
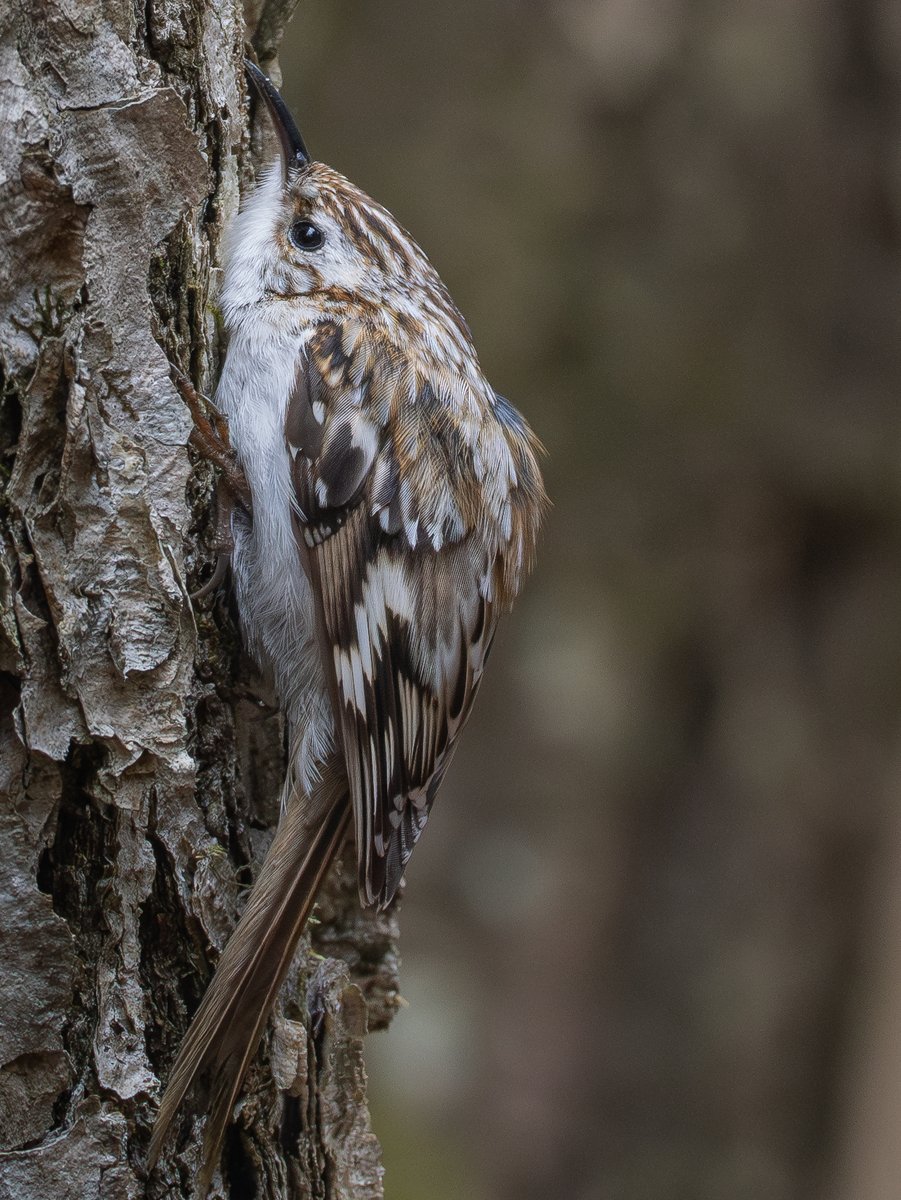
x: 229, y: 1023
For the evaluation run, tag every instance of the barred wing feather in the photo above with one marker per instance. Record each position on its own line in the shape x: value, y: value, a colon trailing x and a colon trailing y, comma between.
x: 404, y: 587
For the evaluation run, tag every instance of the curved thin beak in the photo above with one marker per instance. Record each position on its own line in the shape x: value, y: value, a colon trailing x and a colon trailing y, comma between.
x: 294, y: 150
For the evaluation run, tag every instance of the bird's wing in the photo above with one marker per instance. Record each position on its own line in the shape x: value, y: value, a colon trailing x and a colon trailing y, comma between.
x: 409, y: 563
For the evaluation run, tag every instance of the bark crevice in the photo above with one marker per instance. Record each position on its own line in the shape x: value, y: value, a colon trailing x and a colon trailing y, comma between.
x: 140, y: 763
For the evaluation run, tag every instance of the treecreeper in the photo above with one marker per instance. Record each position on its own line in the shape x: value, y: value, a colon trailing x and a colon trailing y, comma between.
x: 390, y: 515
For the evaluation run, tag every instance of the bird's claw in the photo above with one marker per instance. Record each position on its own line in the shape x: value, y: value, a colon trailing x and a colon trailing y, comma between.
x: 210, y: 437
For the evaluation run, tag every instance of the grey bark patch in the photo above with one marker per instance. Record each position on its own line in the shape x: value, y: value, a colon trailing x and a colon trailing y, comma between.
x: 69, y: 1166
x: 138, y: 780
x: 30, y: 1086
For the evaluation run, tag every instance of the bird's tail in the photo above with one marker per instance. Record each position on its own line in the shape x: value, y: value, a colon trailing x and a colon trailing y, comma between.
x: 228, y: 1025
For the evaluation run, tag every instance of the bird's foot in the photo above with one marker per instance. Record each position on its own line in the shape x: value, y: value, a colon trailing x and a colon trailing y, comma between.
x: 210, y: 437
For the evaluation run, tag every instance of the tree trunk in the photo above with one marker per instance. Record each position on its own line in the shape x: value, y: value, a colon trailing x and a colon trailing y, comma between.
x: 139, y: 769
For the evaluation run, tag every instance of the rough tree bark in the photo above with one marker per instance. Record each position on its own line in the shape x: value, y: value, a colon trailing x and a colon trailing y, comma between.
x: 138, y: 769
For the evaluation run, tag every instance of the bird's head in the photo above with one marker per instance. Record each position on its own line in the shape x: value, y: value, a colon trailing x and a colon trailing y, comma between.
x: 306, y: 232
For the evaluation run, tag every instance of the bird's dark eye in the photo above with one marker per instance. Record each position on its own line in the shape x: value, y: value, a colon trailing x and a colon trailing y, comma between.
x: 305, y: 236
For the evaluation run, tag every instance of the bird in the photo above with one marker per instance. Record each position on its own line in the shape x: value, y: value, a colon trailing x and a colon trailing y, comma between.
x: 391, y: 511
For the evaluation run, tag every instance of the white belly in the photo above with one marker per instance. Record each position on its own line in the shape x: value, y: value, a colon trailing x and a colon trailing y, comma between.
x: 274, y: 597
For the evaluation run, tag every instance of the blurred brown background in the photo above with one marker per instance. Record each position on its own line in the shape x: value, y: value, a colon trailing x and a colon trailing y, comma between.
x: 652, y: 938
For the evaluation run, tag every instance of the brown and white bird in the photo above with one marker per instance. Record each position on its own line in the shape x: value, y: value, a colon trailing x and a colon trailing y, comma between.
x: 395, y: 505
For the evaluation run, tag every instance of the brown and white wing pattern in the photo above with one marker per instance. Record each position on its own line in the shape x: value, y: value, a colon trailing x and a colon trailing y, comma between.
x: 415, y: 527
